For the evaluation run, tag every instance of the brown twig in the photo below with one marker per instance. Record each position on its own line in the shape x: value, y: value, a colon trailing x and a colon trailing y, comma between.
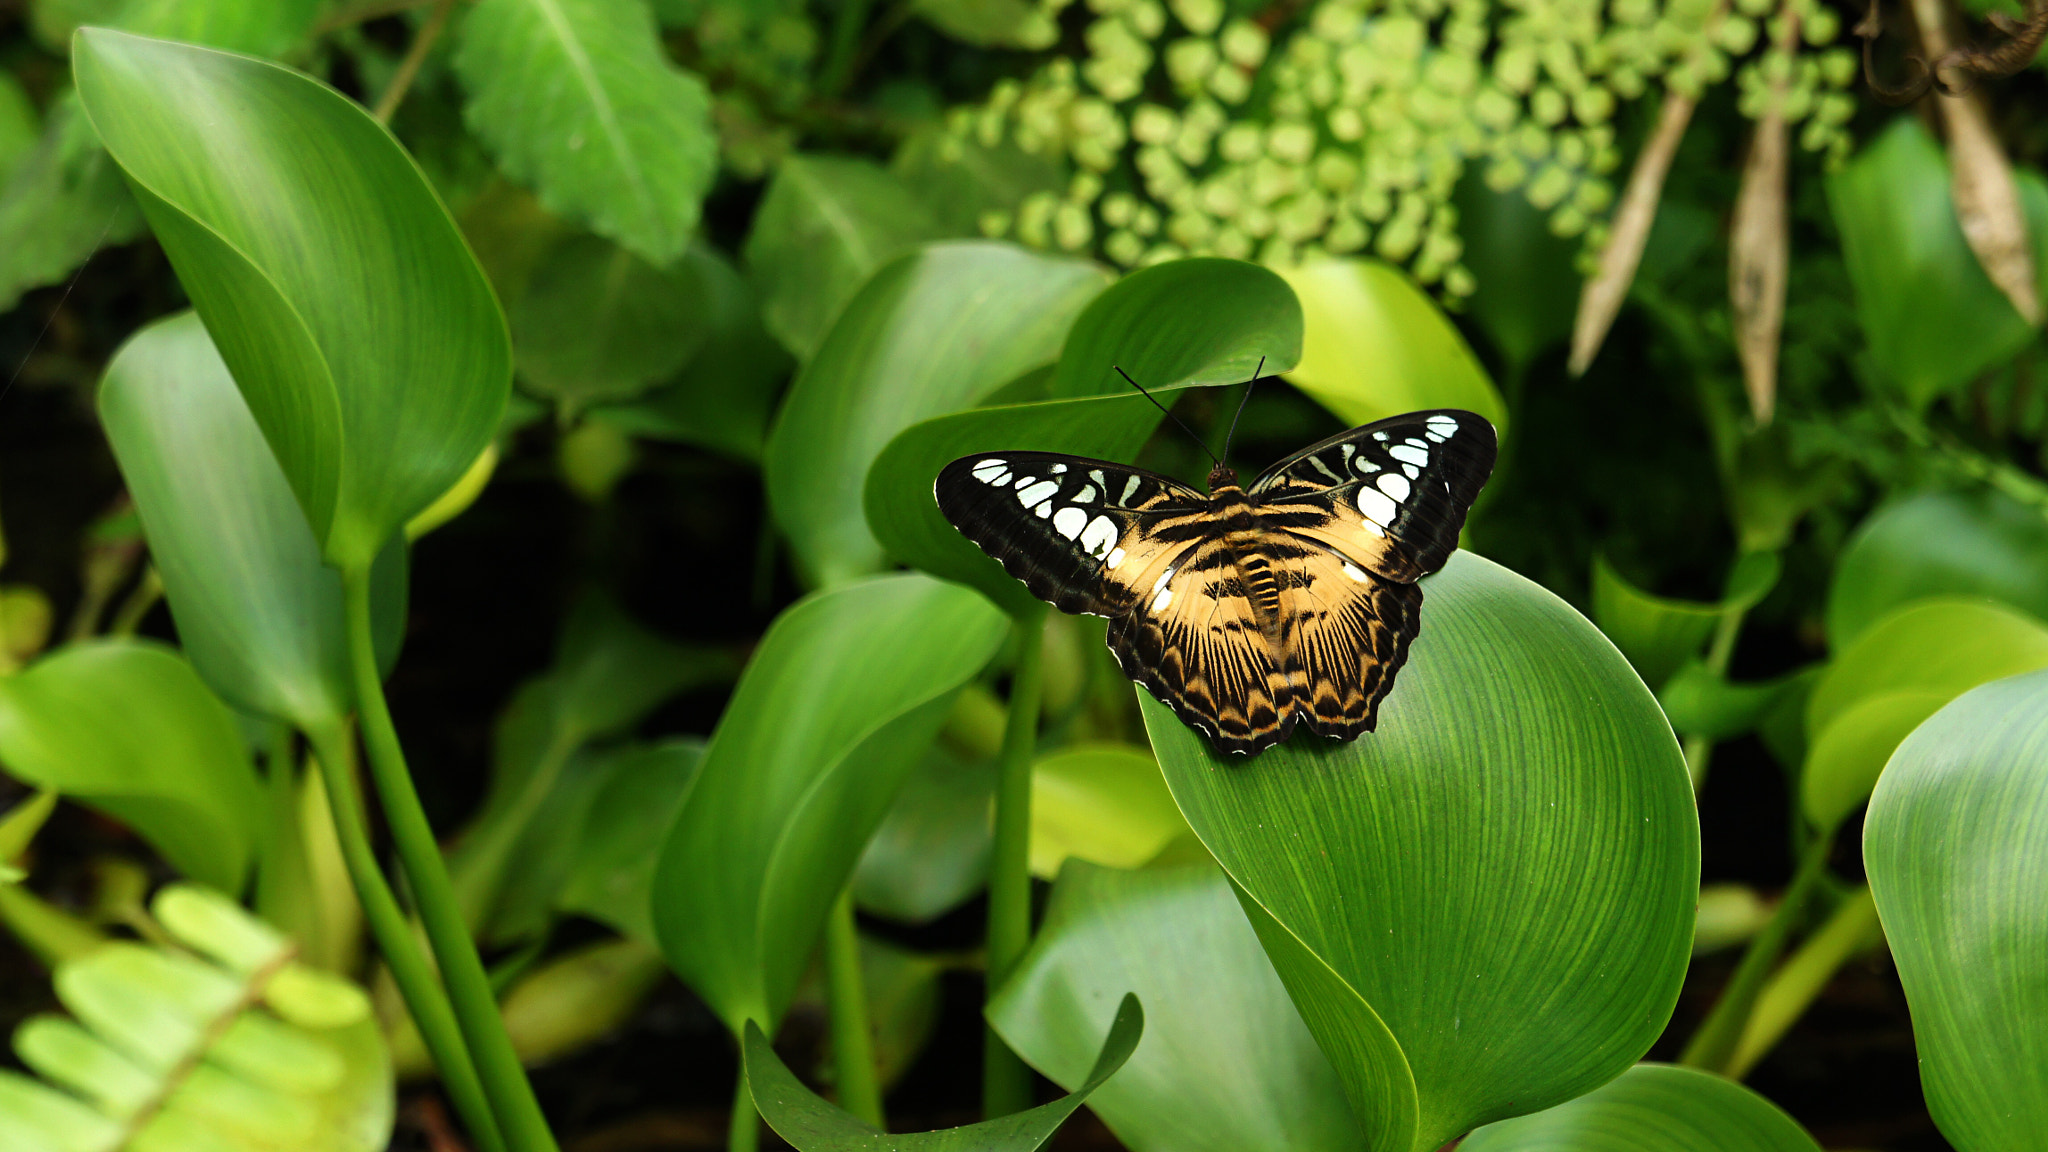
x: 2023, y: 39
x: 409, y: 68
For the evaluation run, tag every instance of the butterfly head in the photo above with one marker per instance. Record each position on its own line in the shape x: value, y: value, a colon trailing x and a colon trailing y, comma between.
x: 1222, y: 477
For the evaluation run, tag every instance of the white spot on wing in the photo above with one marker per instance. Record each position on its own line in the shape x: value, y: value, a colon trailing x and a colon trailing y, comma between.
x: 987, y: 470
x: 1409, y: 455
x: 1086, y: 495
x: 1057, y: 469
x: 1393, y: 485
x: 1380, y: 436
x: 1164, y: 598
x: 1355, y: 572
x: 1434, y: 438
x: 1100, y: 538
x: 1116, y: 557
x: 1044, y: 510
x: 1069, y: 521
x: 1412, y: 471
x: 1028, y: 480
x: 1444, y: 424
x: 1042, y: 490
x: 1325, y: 469
x: 1130, y: 486
x: 1375, y: 507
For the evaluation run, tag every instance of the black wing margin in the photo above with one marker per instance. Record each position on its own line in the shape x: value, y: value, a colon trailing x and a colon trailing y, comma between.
x: 1070, y: 528
x: 1413, y: 475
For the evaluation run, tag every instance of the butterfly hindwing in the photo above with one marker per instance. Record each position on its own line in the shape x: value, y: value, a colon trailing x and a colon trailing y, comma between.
x: 1347, y: 634
x: 1081, y: 534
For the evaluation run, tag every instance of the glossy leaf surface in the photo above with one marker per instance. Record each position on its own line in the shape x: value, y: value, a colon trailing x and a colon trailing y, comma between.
x: 129, y: 728
x: 812, y: 747
x: 579, y: 101
x: 1963, y: 543
x: 1484, y: 907
x: 340, y: 294
x: 931, y: 333
x: 1148, y: 323
x: 1956, y: 846
x: 1374, y: 345
x: 1104, y: 803
x: 811, y: 1124
x: 1659, y: 1106
x: 1227, y: 1064
x: 258, y: 613
x: 824, y: 226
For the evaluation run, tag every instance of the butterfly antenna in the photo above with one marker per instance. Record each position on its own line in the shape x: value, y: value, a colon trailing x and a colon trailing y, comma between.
x: 1246, y: 399
x: 1168, y: 411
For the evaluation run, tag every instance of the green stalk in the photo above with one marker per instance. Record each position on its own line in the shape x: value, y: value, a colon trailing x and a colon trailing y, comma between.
x: 1713, y: 1046
x: 846, y: 29
x: 1699, y: 750
x: 281, y: 781
x: 415, y: 978
x: 1852, y: 930
x: 1005, y: 1079
x: 462, y: 970
x: 853, y: 1046
x: 745, y: 1134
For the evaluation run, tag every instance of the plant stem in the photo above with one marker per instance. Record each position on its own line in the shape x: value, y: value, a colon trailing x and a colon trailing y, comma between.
x: 853, y: 1046
x: 846, y: 28
x: 1699, y: 750
x: 1005, y: 1080
x: 281, y: 783
x: 148, y: 590
x: 745, y: 1133
x: 416, y: 55
x: 415, y: 978
x: 1713, y: 1046
x: 1850, y: 931
x: 469, y: 989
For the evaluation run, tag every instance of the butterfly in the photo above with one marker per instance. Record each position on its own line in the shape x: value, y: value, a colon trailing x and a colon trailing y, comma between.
x: 1249, y: 609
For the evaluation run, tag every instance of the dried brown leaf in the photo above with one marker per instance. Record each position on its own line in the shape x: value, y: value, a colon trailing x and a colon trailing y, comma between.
x: 1600, y: 300
x: 1759, y: 247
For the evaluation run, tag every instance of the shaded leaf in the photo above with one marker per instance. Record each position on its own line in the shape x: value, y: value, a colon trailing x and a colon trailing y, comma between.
x: 611, y: 874
x: 577, y: 99
x: 811, y: 749
x: 929, y: 855
x: 596, y: 322
x: 1956, y: 846
x: 958, y: 180
x: 1227, y: 1063
x: 19, y: 127
x: 1658, y: 1106
x: 1659, y: 634
x: 933, y: 332
x: 1978, y: 542
x: 1103, y: 803
x: 1527, y: 285
x: 1484, y: 907
x: 59, y: 205
x: 1186, y: 322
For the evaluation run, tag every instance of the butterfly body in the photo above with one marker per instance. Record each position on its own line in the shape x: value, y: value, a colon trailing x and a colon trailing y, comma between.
x: 1248, y: 610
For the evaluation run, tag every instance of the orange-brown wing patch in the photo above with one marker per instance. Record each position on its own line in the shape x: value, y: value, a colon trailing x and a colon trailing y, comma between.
x: 1345, y: 634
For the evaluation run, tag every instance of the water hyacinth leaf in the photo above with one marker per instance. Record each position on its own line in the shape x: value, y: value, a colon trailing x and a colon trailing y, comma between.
x: 1375, y: 345
x: 258, y: 613
x: 1956, y: 846
x: 578, y: 100
x: 959, y: 180
x: 611, y: 874
x: 596, y: 322
x: 1173, y: 325
x: 1658, y: 1106
x: 1699, y: 702
x: 930, y: 853
x: 810, y: 751
x: 1896, y: 674
x: 259, y: 27
x: 1932, y: 317
x: 127, y: 727
x: 824, y: 226
x: 933, y: 332
x: 1227, y: 1065
x: 62, y: 201
x: 1485, y: 907
x: 1976, y: 542
x: 1184, y: 322
x: 356, y: 322
x: 811, y: 1124
x: 1657, y: 634
x: 1104, y: 803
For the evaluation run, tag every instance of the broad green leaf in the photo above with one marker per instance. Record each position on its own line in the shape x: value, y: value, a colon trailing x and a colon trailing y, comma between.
x: 929, y: 855
x: 1185, y: 322
x: 933, y: 332
x: 1978, y: 542
x: 810, y: 1124
x: 1659, y: 634
x: 811, y: 749
x: 1701, y: 703
x: 611, y: 870
x: 959, y: 179
x: 127, y: 727
x: 62, y: 202
x: 824, y: 226
x: 340, y: 294
x: 19, y: 126
x: 53, y: 21
x: 1227, y: 1063
x: 1484, y: 907
x: 577, y: 99
x: 992, y: 23
x: 724, y: 395
x: 1895, y: 674
x: 1932, y: 318
x: 903, y: 1000
x: 1527, y: 283
x: 1659, y: 1106
x: 597, y: 322
x: 1169, y: 326
x: 258, y: 614
x: 1956, y: 846
x: 1103, y: 803
x: 1374, y: 345
x: 258, y: 27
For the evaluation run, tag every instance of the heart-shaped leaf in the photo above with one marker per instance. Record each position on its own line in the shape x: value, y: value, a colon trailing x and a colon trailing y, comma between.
x: 129, y: 728
x: 258, y: 614
x: 1659, y: 1106
x: 1375, y: 345
x: 1956, y: 845
x: 1227, y: 1064
x: 1104, y: 803
x: 933, y: 332
x: 812, y: 747
x: 1484, y: 907
x: 810, y: 1124
x: 1977, y: 542
x: 356, y: 322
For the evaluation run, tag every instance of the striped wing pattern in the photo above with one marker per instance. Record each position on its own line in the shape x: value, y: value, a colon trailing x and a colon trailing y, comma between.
x: 1247, y: 611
